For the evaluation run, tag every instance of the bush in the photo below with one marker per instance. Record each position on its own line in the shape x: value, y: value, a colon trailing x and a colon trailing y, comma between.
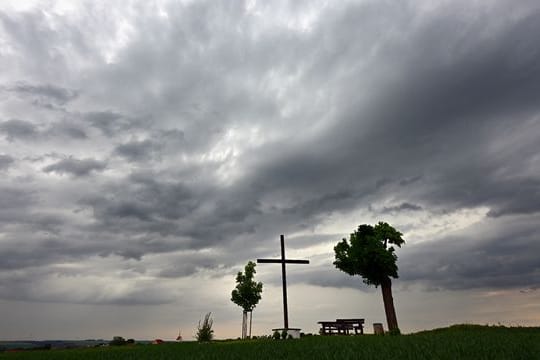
x: 284, y: 334
x: 204, y: 331
x: 276, y: 335
x: 117, y: 341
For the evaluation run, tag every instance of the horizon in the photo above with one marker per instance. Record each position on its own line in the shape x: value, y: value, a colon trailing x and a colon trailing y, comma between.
x: 149, y: 150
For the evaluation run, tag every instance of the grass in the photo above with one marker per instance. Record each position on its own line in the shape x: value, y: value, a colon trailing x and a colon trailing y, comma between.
x: 456, y: 342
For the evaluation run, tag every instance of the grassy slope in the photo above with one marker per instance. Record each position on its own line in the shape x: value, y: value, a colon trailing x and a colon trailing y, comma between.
x: 457, y: 342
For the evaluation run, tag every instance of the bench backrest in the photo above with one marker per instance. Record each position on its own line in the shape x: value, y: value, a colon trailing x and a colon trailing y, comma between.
x: 350, y: 321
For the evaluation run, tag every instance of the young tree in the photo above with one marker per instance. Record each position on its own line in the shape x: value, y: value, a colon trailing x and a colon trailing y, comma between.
x: 247, y: 295
x: 369, y: 254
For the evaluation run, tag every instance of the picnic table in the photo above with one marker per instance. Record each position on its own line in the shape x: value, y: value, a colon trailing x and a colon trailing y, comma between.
x: 342, y: 326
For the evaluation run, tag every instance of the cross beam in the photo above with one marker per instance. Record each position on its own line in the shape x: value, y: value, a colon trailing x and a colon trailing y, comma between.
x: 283, y: 261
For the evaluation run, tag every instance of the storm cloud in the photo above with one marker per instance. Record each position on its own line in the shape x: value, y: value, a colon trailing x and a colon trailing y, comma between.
x: 75, y: 167
x: 152, y: 143
x: 5, y: 162
x: 43, y: 93
x: 18, y: 129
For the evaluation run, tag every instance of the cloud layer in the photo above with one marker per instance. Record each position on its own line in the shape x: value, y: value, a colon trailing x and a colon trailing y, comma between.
x: 144, y: 142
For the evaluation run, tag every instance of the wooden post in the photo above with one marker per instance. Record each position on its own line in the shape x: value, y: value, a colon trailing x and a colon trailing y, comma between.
x: 284, y: 285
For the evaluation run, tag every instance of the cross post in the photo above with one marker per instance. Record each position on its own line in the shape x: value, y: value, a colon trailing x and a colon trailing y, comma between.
x: 283, y: 261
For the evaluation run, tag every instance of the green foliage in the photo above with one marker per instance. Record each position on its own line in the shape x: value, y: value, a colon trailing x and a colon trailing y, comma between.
x: 394, y: 332
x: 367, y: 253
x: 247, y: 292
x: 276, y: 335
x: 284, y: 334
x: 204, y: 330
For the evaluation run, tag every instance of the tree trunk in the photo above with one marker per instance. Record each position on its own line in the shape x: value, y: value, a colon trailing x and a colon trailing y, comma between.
x: 244, y: 324
x: 250, y: 320
x: 391, y: 319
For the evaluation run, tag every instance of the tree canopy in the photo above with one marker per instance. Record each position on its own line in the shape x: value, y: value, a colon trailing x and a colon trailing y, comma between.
x: 368, y: 253
x: 247, y: 292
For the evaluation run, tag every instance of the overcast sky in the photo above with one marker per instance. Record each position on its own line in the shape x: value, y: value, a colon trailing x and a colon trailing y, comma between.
x: 149, y: 149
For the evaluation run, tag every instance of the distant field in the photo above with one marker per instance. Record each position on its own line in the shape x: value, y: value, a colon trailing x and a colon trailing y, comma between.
x: 456, y: 342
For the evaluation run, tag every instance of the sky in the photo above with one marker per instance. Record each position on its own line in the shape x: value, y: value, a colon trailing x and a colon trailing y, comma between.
x: 150, y: 149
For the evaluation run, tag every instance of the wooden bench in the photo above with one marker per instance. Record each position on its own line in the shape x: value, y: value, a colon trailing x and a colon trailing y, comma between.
x: 352, y: 324
x: 342, y: 326
x: 328, y: 327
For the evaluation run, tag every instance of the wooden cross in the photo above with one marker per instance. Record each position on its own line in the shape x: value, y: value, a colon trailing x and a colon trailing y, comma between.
x: 283, y: 261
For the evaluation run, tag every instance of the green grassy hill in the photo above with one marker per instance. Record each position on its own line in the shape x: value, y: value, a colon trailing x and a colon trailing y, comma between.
x: 456, y: 342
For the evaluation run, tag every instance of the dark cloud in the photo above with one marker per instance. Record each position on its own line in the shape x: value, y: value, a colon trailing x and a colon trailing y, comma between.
x: 191, y: 263
x: 76, y: 167
x: 136, y: 150
x: 43, y: 94
x: 445, y: 138
x: 67, y: 130
x: 23, y: 130
x: 18, y: 129
x: 499, y: 255
x: 144, y: 203
x: 405, y: 206
x: 108, y: 122
x: 6, y: 161
x: 21, y: 221
x: 14, y: 198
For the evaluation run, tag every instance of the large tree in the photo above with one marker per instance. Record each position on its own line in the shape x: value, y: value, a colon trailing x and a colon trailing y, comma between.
x: 247, y: 295
x: 370, y: 254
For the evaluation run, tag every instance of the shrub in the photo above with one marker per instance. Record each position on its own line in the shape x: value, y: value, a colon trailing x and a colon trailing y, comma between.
x: 284, y: 334
x: 117, y: 341
x: 276, y: 335
x: 204, y: 331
